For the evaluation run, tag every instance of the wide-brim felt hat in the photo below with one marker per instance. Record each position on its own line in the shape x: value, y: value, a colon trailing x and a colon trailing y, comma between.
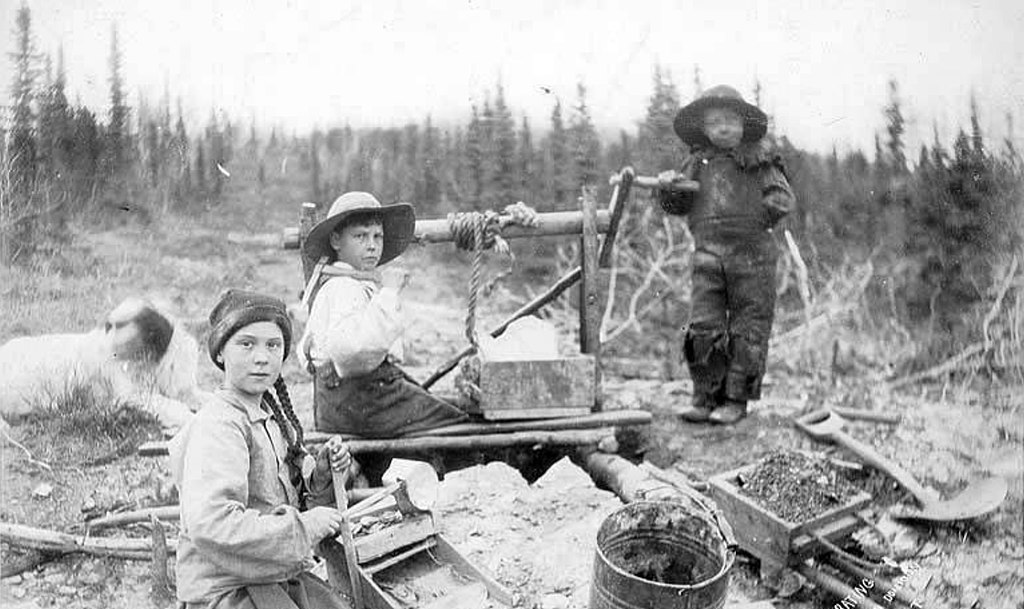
x: 398, y: 220
x: 689, y: 122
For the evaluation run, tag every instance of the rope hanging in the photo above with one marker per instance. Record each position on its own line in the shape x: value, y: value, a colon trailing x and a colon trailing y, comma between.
x: 478, y: 231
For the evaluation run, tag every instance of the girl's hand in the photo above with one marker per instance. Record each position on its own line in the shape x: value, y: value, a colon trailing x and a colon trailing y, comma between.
x: 333, y: 456
x: 321, y: 522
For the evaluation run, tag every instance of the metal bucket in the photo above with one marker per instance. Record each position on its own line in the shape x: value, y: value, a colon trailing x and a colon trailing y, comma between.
x: 661, y: 555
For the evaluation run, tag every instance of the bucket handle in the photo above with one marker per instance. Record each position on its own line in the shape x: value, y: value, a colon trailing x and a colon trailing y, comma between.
x: 723, y: 525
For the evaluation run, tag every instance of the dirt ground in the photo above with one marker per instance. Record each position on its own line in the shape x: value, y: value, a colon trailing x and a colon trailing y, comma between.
x: 538, y: 539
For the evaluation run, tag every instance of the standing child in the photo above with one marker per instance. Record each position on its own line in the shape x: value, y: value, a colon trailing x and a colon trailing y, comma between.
x: 742, y: 194
x: 353, y: 339
x: 245, y: 480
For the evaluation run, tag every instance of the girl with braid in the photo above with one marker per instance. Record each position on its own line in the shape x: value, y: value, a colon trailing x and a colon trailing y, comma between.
x: 254, y: 503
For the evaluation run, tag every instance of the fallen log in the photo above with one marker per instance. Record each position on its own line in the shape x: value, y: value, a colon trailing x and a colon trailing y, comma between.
x: 54, y: 542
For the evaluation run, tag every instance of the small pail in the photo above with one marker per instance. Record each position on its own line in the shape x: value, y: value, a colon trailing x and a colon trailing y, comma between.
x: 661, y: 555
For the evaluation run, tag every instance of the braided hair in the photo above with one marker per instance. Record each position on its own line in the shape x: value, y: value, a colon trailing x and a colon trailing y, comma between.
x: 284, y: 414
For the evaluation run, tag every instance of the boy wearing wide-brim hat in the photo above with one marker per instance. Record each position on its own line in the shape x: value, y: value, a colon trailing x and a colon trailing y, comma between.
x: 353, y: 339
x: 743, y: 192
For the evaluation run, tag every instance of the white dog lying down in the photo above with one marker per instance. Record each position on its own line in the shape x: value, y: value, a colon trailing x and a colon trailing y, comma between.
x: 146, y: 359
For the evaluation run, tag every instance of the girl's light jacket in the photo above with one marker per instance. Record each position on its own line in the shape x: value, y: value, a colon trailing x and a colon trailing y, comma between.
x: 240, y: 522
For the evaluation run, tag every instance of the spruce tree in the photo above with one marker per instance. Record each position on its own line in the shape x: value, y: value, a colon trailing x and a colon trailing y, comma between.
x: 21, y: 148
x: 895, y: 128
x: 658, y: 148
x: 55, y: 124
x: 430, y: 163
x: 503, y: 134
x: 584, y: 143
x: 526, y: 175
x: 558, y: 171
x: 118, y: 132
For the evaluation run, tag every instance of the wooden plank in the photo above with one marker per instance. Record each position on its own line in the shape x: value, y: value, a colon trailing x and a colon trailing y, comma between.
x: 447, y: 553
x: 395, y: 537
x: 548, y: 224
x: 805, y: 546
x: 394, y: 559
x: 511, y: 387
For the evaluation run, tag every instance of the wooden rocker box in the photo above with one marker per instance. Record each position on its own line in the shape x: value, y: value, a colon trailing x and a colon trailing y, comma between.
x: 774, y: 540
x: 411, y: 550
x: 536, y: 389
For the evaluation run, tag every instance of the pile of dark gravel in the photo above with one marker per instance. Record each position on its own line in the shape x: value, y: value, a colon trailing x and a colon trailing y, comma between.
x: 797, y: 487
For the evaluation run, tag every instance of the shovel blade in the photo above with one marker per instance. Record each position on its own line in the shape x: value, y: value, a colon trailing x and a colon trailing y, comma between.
x: 979, y: 498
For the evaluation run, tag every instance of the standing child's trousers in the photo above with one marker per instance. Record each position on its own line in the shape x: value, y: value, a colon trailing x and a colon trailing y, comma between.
x: 733, y: 305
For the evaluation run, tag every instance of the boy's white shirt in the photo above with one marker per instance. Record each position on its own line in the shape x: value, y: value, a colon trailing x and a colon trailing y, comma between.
x: 353, y: 324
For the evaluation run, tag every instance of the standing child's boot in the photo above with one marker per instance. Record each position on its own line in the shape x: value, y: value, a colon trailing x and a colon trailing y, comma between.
x: 731, y: 411
x: 700, y: 410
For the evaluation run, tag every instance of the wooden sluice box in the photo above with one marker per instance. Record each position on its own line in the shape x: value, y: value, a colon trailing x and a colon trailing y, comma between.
x: 777, y: 542
x: 409, y: 564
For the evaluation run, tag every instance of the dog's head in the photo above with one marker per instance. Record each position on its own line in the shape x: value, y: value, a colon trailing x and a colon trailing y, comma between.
x: 137, y: 331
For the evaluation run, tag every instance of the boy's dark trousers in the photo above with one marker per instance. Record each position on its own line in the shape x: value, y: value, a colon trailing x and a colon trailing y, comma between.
x: 381, y: 404
x: 733, y: 305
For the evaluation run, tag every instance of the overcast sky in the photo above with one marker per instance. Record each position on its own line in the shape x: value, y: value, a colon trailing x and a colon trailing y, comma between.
x: 823, y: 65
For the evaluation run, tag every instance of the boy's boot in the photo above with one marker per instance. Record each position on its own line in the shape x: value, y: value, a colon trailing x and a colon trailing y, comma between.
x: 731, y: 411
x: 700, y: 410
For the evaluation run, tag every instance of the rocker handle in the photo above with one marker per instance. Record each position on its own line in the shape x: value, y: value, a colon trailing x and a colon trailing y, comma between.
x: 347, y: 542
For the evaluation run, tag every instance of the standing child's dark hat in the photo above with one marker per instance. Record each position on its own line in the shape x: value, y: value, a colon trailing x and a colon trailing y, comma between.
x: 399, y: 221
x: 689, y: 123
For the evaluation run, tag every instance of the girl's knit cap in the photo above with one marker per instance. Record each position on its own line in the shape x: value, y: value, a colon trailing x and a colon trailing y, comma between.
x: 239, y: 308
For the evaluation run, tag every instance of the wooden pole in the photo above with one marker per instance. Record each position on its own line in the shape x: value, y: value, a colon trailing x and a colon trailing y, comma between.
x: 307, y: 218
x: 412, y: 446
x: 590, y: 312
x: 616, y: 208
x: 438, y: 231
x: 613, y: 418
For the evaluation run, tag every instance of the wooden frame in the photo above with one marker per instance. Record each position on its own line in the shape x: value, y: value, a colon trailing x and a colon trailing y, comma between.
x: 588, y: 223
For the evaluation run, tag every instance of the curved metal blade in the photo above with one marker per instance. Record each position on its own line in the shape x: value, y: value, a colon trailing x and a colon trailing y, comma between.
x: 979, y: 498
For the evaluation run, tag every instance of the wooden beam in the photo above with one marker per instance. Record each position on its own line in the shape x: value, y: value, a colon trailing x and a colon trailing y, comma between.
x: 437, y: 230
